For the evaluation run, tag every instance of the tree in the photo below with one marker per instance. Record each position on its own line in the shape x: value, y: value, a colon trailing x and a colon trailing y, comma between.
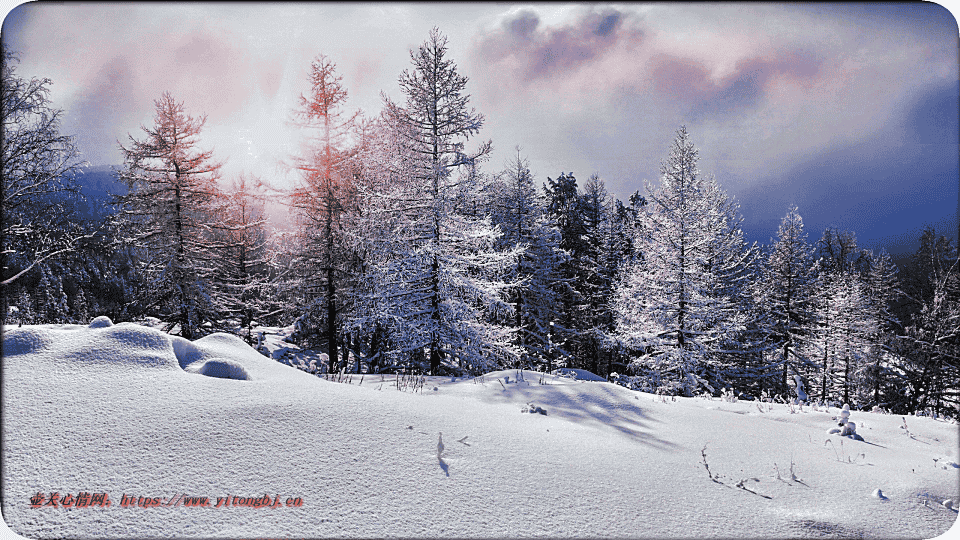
x: 326, y: 192
x: 883, y: 290
x: 564, y: 206
x: 839, y: 334
x: 168, y: 210
x: 442, y: 279
x: 518, y: 209
x: 38, y: 222
x: 240, y: 286
x: 930, y: 344
x: 784, y: 292
x: 679, y: 305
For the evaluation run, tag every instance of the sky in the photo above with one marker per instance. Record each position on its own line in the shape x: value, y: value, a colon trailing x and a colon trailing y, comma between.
x: 848, y: 111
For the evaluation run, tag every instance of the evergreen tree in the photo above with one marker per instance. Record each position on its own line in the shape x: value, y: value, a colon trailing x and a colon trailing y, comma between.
x: 564, y: 208
x: 168, y: 210
x: 518, y: 209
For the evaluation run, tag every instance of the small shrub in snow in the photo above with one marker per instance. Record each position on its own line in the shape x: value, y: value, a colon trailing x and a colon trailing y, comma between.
x: 531, y: 408
x: 703, y: 452
x: 801, y: 392
x: 845, y: 428
x: 728, y: 395
x: 906, y: 429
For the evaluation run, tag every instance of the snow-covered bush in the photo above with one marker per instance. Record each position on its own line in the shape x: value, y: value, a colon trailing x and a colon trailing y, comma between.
x: 531, y: 408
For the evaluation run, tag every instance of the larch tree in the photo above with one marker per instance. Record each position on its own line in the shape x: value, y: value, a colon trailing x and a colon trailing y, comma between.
x: 679, y: 304
x: 241, y: 283
x: 167, y: 212
x: 444, y: 283
x: 883, y: 291
x: 325, y: 193
x: 839, y: 333
x: 784, y: 294
x: 930, y: 344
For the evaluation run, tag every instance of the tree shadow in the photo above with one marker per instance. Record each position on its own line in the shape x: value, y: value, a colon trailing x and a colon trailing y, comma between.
x: 597, y: 404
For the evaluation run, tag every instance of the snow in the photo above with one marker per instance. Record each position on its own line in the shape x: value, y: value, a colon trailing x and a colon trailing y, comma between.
x: 129, y: 411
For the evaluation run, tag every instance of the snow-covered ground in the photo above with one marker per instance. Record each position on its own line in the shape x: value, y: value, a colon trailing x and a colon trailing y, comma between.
x: 127, y: 411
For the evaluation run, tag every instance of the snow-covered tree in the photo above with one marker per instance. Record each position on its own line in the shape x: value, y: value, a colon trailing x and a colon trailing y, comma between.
x: 883, y: 290
x: 564, y: 209
x: 518, y: 209
x: 168, y: 211
x: 440, y: 285
x: 784, y: 294
x: 679, y: 304
x: 839, y: 333
x: 930, y: 345
x: 240, y: 286
x: 39, y: 165
x: 325, y: 192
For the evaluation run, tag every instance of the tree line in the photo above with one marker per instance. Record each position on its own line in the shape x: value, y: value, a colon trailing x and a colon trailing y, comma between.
x: 409, y: 256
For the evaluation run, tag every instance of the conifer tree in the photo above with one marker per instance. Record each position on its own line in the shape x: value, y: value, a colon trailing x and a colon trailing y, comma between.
x: 518, y: 209
x: 784, y: 292
x: 240, y: 286
x: 442, y: 278
x: 167, y: 212
x: 326, y: 192
x: 883, y: 291
x: 679, y: 305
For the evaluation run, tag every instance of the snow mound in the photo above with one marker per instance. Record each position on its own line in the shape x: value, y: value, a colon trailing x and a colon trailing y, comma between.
x: 186, y: 352
x: 221, y: 368
x: 101, y: 322
x: 25, y: 340
x: 124, y: 344
x: 578, y: 374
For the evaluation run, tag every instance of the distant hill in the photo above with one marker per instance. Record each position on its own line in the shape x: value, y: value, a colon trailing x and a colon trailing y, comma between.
x: 98, y: 185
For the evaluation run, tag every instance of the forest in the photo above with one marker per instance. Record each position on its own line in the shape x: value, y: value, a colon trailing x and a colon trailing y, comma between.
x: 413, y: 254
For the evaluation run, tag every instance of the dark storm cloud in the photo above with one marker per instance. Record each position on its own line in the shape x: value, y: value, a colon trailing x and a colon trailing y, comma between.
x: 933, y: 117
x: 886, y: 188
x: 539, y: 52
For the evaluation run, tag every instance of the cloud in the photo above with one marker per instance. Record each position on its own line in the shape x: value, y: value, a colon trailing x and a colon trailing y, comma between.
x: 933, y: 116
x: 534, y: 52
x: 749, y: 83
x: 111, y: 99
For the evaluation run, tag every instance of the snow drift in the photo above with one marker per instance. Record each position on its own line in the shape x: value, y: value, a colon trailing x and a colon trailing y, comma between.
x: 138, y: 415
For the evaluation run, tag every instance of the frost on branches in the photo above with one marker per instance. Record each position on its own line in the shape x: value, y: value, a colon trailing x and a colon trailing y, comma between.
x: 678, y: 304
x: 440, y: 287
x: 168, y: 211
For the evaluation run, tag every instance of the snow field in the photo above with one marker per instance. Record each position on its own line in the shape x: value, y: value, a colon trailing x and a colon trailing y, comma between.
x: 128, y: 410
